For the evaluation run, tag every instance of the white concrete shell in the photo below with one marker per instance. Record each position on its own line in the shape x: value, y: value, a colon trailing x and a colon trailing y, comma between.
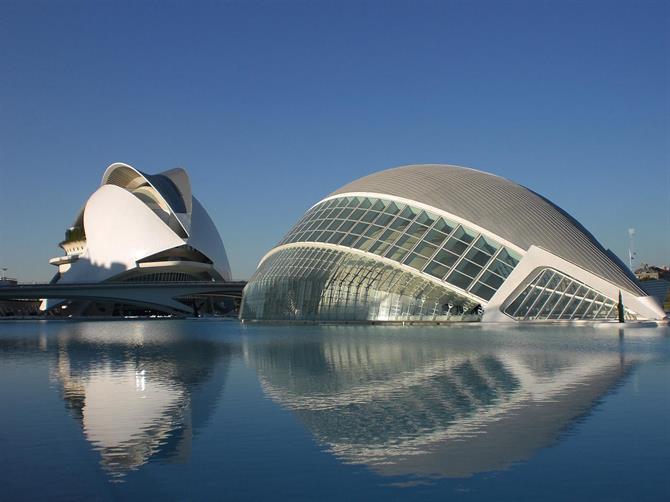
x: 139, y: 227
x: 499, y: 246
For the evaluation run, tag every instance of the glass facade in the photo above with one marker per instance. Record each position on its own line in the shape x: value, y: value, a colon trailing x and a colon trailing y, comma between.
x: 321, y: 284
x: 554, y: 295
x: 412, y: 236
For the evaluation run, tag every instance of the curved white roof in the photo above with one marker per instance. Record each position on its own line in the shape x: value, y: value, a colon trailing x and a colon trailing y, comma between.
x: 504, y: 208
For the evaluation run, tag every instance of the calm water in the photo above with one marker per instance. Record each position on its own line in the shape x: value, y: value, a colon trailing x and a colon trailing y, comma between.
x: 192, y: 410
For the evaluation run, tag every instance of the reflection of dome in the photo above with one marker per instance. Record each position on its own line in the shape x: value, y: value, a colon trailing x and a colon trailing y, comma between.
x: 433, y: 408
x: 431, y: 242
x: 139, y: 400
x: 140, y: 227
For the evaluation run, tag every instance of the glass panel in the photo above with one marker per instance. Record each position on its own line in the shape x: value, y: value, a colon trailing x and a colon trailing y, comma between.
x: 509, y: 257
x: 464, y: 234
x: 468, y: 268
x: 334, y: 224
x: 359, y: 228
x: 491, y: 279
x: 407, y: 241
x: 396, y: 253
x: 324, y: 236
x: 425, y: 249
x: 352, y: 201
x: 446, y: 258
x: 377, y: 205
x: 417, y: 230
x: 369, y: 216
x: 407, y: 213
x: 346, y: 226
x: 436, y: 269
x: 393, y: 208
x: 425, y: 218
x: 356, y: 214
x: 445, y: 226
x: 345, y: 213
x: 336, y: 237
x: 478, y: 256
x: 399, y: 224
x: 416, y: 261
x: 482, y: 291
x: 383, y: 219
x: 348, y: 240
x: 365, y: 203
x: 459, y: 280
x: 435, y: 237
x: 500, y: 268
x: 373, y: 231
x: 379, y: 247
x: 487, y: 245
x: 456, y: 246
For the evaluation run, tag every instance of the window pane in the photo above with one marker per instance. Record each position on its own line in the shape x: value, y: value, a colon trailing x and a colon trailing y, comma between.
x: 500, y: 268
x: 509, y: 257
x: 491, y: 280
x: 365, y: 203
x: 346, y: 226
x: 446, y: 258
x: 396, y: 253
x: 435, y: 237
x: 348, y: 240
x: 478, y: 256
x: 369, y: 216
x: 393, y: 208
x: 399, y: 224
x: 464, y: 234
x: 359, y: 228
x: 383, y: 219
x: 482, y: 291
x: 425, y: 249
x: 455, y: 246
x: 417, y: 230
x: 469, y: 268
x: 377, y: 205
x: 407, y: 242
x: 445, y: 226
x: 436, y: 270
x: 459, y: 280
x: 336, y: 237
x: 416, y: 261
x: 425, y: 218
x: 487, y: 245
x: 356, y: 214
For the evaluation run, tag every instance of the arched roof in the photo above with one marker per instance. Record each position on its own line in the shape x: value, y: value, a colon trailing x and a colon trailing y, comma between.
x: 501, y: 206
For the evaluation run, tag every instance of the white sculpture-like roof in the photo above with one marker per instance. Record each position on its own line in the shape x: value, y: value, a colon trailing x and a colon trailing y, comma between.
x: 504, y: 208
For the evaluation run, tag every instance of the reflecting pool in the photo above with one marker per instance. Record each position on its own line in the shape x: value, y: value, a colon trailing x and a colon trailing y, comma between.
x: 207, y: 409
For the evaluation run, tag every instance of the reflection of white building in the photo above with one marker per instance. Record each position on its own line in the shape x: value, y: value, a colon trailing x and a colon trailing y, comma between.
x: 141, y: 228
x: 434, y: 408
x: 437, y: 242
x: 139, y: 399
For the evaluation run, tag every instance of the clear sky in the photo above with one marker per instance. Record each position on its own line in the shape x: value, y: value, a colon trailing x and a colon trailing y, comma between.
x: 272, y: 105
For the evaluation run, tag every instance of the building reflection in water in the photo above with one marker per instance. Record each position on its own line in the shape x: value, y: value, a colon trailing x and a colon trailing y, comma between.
x: 432, y: 406
x: 139, y: 397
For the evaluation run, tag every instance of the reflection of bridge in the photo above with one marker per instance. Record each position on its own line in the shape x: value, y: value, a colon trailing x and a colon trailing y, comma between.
x: 161, y: 295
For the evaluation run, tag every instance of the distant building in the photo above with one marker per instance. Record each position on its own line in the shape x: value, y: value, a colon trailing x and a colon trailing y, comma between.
x: 440, y: 242
x: 647, y: 272
x: 138, y: 227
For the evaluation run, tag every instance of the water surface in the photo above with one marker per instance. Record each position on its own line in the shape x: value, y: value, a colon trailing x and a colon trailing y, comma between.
x: 202, y: 409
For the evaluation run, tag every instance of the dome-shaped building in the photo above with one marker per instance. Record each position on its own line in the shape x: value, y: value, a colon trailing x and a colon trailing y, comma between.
x: 138, y: 227
x: 440, y: 242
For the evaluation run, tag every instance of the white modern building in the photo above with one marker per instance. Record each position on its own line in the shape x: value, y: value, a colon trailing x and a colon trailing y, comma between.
x: 144, y: 228
x: 441, y: 242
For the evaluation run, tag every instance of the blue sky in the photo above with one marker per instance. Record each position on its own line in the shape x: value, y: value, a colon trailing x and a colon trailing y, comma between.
x: 272, y: 105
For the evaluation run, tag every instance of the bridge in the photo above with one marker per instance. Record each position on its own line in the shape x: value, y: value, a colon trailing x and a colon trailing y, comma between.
x: 159, y: 295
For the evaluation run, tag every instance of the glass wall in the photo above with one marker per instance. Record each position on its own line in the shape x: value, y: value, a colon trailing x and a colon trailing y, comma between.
x: 553, y: 295
x: 306, y: 283
x: 424, y: 241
